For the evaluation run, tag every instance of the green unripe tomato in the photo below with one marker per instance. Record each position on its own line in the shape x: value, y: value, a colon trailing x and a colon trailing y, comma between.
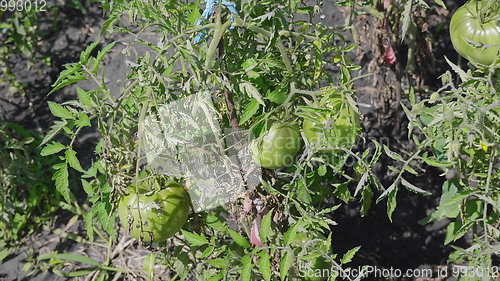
x: 474, y: 38
x: 155, y: 217
x: 278, y: 147
x: 339, y: 132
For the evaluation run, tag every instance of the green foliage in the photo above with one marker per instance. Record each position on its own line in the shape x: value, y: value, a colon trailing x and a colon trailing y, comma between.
x: 27, y: 194
x: 273, y: 68
x: 460, y: 124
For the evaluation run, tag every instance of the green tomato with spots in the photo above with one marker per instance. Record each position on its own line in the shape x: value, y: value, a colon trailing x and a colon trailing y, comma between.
x: 278, y: 147
x: 475, y: 31
x: 157, y: 215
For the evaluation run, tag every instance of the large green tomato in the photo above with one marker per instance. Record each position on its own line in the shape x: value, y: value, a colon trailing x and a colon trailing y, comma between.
x: 157, y: 216
x: 278, y: 147
x: 333, y: 129
x: 474, y: 38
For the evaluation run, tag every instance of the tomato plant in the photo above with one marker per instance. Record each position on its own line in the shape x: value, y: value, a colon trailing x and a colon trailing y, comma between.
x: 475, y: 31
x: 157, y: 216
x: 278, y: 147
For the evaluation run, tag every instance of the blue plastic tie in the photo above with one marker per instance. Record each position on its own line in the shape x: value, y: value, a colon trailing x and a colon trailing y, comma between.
x: 209, y: 12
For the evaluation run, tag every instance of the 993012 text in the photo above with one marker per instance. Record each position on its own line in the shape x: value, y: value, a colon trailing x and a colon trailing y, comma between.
x: 23, y: 5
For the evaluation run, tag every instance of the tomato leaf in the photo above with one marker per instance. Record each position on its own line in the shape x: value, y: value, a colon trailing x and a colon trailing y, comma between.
x: 347, y: 258
x: 456, y: 230
x: 73, y: 160
x: 60, y: 178
x: 265, y: 226
x: 250, y: 110
x: 414, y: 188
x: 391, y: 202
x: 367, y: 199
x: 463, y: 76
x: 83, y: 120
x: 239, y: 239
x: 194, y: 239
x: 286, y: 263
x: 60, y: 111
x: 252, y: 92
x: 54, y: 130
x: 277, y: 96
x: 71, y: 257
x: 84, y: 98
x: 246, y: 268
x: 52, y: 148
x: 265, y: 265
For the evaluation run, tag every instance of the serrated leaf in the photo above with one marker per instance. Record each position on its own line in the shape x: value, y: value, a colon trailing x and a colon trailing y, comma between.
x: 88, y: 221
x: 391, y: 203
x: 342, y: 192
x: 52, y: 148
x: 71, y: 257
x: 5, y: 253
x: 88, y: 188
x: 289, y: 236
x: 246, y: 268
x: 215, y: 222
x: 73, y: 160
x: 265, y: 265
x: 439, y: 164
x: 61, y: 180
x: 250, y: 110
x: 456, y: 230
x: 68, y: 81
x: 104, y: 51
x: 277, y: 96
x: 69, y: 69
x: 252, y: 92
x: 410, y: 170
x: 84, y: 56
x: 194, y: 240
x: 54, y: 130
x: 286, y: 262
x: 361, y: 183
x: 392, y: 155
x: 463, y: 76
x: 367, y: 199
x: 218, y: 263
x: 347, y: 258
x: 387, y: 191
x: 83, y: 120
x: 85, y: 98
x: 207, y: 252
x: 60, y: 111
x: 450, y: 201
x: 265, y: 226
x: 414, y: 188
x: 239, y: 239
